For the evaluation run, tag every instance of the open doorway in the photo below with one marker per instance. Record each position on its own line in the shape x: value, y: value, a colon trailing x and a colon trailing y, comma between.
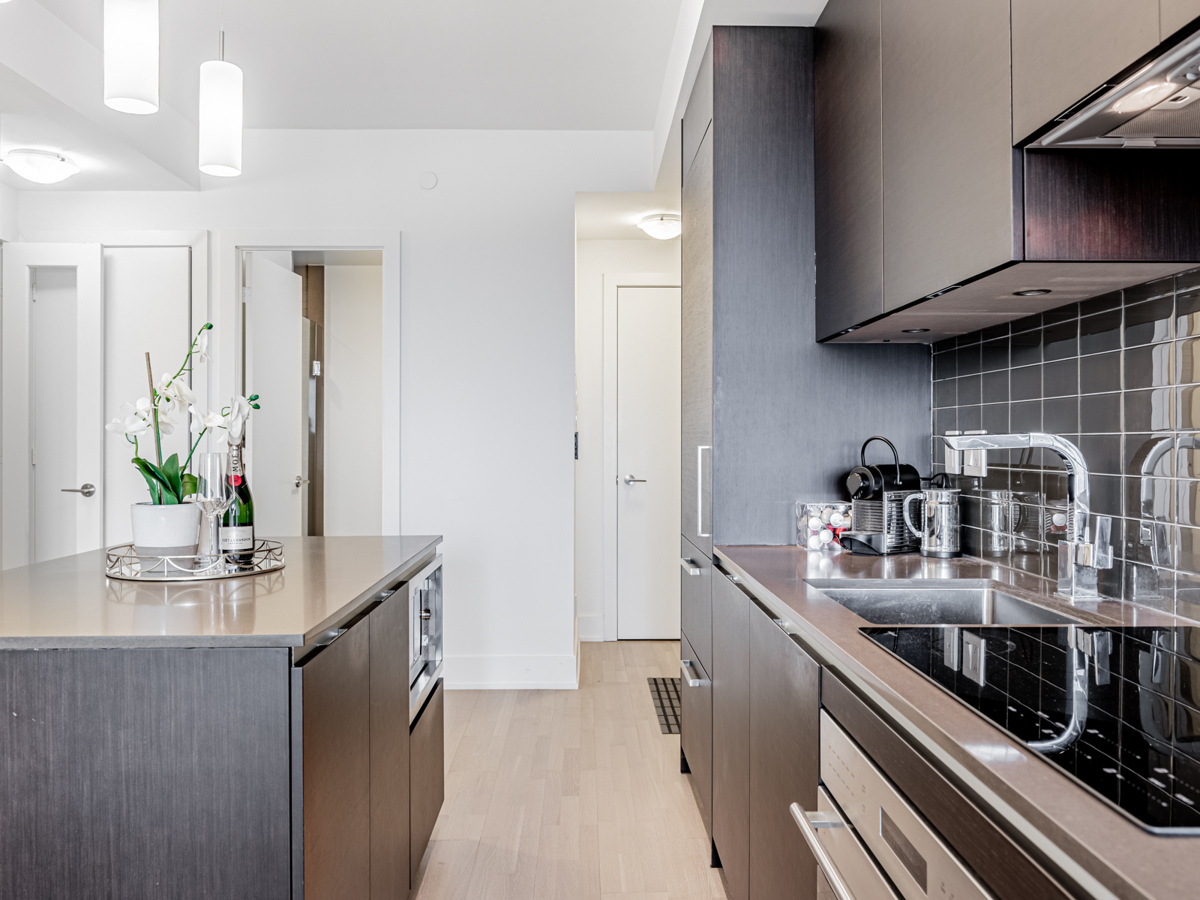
x: 311, y: 346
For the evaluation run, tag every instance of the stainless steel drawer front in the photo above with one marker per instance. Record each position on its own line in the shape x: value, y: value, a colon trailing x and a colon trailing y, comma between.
x: 845, y: 870
x: 914, y: 856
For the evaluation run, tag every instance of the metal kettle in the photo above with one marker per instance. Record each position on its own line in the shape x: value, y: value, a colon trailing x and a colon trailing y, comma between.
x: 940, y: 520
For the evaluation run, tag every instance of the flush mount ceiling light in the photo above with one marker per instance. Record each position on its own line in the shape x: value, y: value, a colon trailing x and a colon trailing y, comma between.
x: 40, y: 166
x: 1144, y: 97
x: 915, y: 330
x: 1032, y: 292
x: 220, y: 116
x: 131, y: 56
x: 663, y: 226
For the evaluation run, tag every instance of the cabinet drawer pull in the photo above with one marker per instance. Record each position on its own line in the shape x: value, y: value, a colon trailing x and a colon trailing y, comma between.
x: 689, y: 566
x: 686, y: 668
x: 808, y: 824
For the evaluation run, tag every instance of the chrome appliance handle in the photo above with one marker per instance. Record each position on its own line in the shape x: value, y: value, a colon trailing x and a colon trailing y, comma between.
x: 684, y: 666
x: 689, y: 565
x: 808, y: 824
x: 87, y: 490
x: 700, y: 532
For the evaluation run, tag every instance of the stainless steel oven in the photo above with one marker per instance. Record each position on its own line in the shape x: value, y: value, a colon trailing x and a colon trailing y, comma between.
x: 869, y: 842
x: 425, y: 634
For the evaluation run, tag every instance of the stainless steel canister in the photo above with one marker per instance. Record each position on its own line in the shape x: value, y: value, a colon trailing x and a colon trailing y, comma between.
x: 940, y: 522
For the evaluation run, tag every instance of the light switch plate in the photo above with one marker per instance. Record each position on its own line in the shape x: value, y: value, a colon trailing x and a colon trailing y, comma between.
x: 974, y: 656
x: 974, y: 462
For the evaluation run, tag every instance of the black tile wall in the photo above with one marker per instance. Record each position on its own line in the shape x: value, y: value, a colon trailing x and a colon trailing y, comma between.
x: 1141, y: 746
x: 1119, y: 375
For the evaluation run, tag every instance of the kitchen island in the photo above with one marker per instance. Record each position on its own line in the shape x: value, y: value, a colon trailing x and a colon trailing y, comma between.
x: 248, y: 737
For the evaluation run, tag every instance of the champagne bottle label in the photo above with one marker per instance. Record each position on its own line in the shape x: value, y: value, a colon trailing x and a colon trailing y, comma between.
x: 237, y: 538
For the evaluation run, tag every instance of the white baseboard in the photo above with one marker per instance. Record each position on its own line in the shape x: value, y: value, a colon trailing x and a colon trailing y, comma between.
x: 591, y: 628
x: 506, y: 673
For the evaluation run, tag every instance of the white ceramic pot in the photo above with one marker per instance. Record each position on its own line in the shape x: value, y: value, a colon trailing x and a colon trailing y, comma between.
x: 165, y: 530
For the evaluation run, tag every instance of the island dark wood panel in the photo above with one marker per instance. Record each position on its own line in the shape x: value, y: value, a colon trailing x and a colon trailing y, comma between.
x: 156, y: 774
x: 427, y: 748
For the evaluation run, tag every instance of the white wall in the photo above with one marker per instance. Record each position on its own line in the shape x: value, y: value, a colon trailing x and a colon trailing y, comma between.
x: 147, y: 297
x: 8, y: 213
x: 593, y: 259
x: 353, y: 374
x: 487, y: 287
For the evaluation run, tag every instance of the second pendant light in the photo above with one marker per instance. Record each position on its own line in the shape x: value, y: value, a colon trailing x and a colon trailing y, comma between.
x: 220, y: 116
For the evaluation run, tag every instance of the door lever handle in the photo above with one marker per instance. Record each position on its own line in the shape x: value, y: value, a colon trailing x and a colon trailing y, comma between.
x: 87, y: 490
x: 300, y: 481
x: 629, y: 479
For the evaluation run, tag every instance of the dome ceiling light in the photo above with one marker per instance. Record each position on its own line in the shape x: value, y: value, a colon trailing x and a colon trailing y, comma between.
x: 40, y: 166
x: 662, y: 226
x: 131, y: 56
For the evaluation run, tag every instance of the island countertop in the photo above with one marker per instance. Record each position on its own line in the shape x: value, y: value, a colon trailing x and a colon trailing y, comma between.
x: 69, y: 603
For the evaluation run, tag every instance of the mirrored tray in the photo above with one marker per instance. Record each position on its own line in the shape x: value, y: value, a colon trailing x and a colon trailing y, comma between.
x: 123, y: 562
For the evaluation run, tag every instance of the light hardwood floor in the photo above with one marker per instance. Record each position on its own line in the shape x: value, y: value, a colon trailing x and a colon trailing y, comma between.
x: 557, y: 795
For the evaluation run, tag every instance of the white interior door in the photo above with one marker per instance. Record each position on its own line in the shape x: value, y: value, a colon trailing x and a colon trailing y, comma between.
x: 53, y: 401
x: 275, y: 371
x: 648, y: 423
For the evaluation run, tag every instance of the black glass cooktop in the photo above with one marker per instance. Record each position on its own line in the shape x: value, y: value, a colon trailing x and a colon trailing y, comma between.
x: 1128, y: 727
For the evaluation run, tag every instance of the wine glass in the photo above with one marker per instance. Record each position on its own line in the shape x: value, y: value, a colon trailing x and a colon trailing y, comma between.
x: 214, y: 493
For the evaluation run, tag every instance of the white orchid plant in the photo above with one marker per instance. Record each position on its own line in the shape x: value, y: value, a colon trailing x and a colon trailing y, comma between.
x: 172, y: 398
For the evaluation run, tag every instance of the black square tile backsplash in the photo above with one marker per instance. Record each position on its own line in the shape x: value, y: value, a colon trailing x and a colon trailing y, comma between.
x: 1119, y: 375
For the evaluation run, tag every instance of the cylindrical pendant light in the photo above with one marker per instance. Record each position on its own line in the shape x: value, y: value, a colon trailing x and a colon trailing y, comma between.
x: 131, y: 55
x: 220, y: 117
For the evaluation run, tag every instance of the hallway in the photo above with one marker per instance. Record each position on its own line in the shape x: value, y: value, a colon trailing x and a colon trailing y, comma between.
x: 569, y: 794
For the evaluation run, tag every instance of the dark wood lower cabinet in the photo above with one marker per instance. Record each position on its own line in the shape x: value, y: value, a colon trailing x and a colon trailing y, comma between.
x: 389, y: 752
x: 696, y: 729
x: 785, y: 697
x: 144, y: 774
x: 335, y: 699
x: 731, y: 733
x: 428, y: 772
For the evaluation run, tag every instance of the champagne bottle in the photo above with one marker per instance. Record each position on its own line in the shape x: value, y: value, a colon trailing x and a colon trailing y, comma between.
x: 237, y: 526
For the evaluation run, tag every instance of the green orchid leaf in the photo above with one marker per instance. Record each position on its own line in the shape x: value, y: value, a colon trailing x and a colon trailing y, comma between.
x: 190, y: 485
x: 174, y: 478
x: 160, y: 488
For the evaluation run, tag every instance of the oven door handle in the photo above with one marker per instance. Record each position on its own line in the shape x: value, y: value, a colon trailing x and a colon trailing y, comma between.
x: 808, y: 824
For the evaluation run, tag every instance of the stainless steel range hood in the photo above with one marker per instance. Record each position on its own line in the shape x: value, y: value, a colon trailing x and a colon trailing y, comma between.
x: 1156, y: 106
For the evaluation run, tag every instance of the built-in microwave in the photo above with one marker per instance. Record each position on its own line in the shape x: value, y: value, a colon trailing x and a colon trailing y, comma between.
x: 425, y: 634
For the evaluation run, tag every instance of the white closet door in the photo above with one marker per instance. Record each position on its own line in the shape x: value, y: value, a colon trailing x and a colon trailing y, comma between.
x: 274, y: 370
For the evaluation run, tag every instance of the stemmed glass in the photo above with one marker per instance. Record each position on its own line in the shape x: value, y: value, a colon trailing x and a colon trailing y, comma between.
x: 214, y: 492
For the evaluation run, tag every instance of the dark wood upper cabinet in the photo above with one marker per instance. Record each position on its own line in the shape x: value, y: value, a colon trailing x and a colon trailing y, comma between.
x: 785, y: 699
x: 1175, y: 14
x: 1065, y: 49
x: 696, y: 412
x: 849, y: 160
x: 948, y: 211
x: 928, y: 222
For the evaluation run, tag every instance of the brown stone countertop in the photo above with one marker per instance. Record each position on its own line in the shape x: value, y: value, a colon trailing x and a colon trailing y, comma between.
x: 69, y: 603
x: 1093, y: 844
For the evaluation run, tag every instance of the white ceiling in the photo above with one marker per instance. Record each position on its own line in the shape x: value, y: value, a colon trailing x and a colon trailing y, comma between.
x: 519, y: 64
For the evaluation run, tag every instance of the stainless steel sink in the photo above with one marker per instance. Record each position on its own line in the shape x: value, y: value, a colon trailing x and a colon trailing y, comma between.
x: 926, y: 602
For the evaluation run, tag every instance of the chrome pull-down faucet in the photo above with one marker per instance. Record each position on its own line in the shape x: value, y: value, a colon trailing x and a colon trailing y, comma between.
x: 1088, y: 547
